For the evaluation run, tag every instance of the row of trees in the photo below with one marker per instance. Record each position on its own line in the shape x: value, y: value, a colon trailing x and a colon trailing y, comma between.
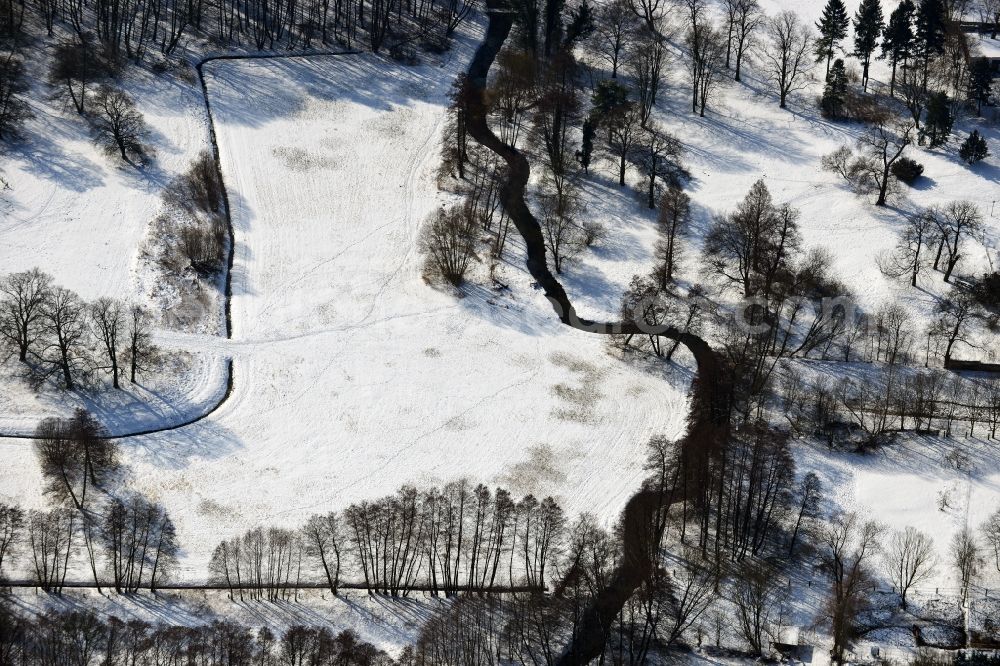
x: 53, y: 331
x: 446, y: 539
x: 81, y: 637
x: 935, y: 237
x: 128, y: 540
x: 132, y: 28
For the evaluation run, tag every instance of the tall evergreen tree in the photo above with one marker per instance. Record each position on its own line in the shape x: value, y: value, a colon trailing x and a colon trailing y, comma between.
x: 980, y: 82
x: 939, y: 120
x: 835, y: 91
x: 930, y: 32
x: 868, y: 26
x: 897, y: 43
x: 832, y: 27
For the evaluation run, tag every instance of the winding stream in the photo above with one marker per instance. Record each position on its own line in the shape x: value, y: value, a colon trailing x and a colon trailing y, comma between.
x: 708, y: 418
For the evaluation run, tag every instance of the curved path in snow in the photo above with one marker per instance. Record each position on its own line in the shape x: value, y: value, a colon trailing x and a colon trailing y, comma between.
x: 708, y: 419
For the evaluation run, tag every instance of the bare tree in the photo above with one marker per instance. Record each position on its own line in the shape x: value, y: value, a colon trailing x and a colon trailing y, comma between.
x: 74, y: 454
x: 448, y: 241
x: 883, y: 144
x: 707, y: 52
x: 323, y: 540
x: 674, y: 218
x: 75, y: 67
x: 966, y: 558
x: 22, y: 299
x: 756, y: 592
x: 139, y: 542
x: 848, y: 545
x: 909, y: 559
x: 140, y: 351
x: 785, y: 54
x: 991, y: 532
x: 11, y: 525
x: 108, y: 320
x: 956, y: 313
x: 63, y: 319
x: 750, y: 246
x: 657, y: 154
x: 807, y: 500
x: 646, y: 59
x: 691, y: 594
x: 614, y: 30
x: 624, y: 125
x: 13, y: 84
x: 119, y: 126
x: 955, y: 222
x: 50, y: 538
x: 906, y: 258
x: 560, y: 230
x: 745, y: 19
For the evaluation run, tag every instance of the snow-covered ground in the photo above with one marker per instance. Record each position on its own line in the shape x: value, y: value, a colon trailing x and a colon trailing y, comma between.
x: 354, y: 376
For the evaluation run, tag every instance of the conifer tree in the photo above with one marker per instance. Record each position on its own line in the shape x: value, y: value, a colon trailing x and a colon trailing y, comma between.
x: 832, y: 27
x: 868, y: 26
x: 973, y: 148
x: 937, y: 125
x: 897, y: 43
x: 980, y: 82
x: 930, y: 32
x: 835, y: 91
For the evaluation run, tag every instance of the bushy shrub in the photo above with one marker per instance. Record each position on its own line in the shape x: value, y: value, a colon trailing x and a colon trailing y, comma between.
x: 986, y: 290
x: 907, y: 170
x: 448, y: 242
x: 974, y: 148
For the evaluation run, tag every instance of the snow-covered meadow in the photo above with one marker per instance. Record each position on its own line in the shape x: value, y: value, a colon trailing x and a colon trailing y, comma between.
x: 354, y: 375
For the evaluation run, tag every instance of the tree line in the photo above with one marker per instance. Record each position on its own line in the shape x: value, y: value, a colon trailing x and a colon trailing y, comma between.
x: 131, y: 29
x: 125, y: 538
x: 54, y: 333
x: 442, y: 540
x: 82, y: 637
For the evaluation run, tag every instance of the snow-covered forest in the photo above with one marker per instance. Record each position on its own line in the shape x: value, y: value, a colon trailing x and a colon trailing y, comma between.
x: 489, y: 332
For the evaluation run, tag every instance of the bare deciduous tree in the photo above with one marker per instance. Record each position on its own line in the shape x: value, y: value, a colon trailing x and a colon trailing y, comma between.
x: 614, y: 30
x: 883, y: 144
x: 756, y: 592
x: 323, y: 540
x: 807, y: 500
x: 118, y: 125
x: 966, y: 558
x: 108, y: 320
x: 707, y: 55
x: 140, y: 352
x: 657, y: 154
x: 674, y: 217
x: 11, y: 525
x: 22, y: 300
x: 906, y: 258
x: 909, y: 559
x: 448, y: 241
x: 785, y: 54
x: 64, y: 321
x: 848, y: 545
x: 74, y: 454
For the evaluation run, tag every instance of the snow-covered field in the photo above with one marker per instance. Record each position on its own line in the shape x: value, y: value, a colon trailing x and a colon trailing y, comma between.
x: 352, y: 375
